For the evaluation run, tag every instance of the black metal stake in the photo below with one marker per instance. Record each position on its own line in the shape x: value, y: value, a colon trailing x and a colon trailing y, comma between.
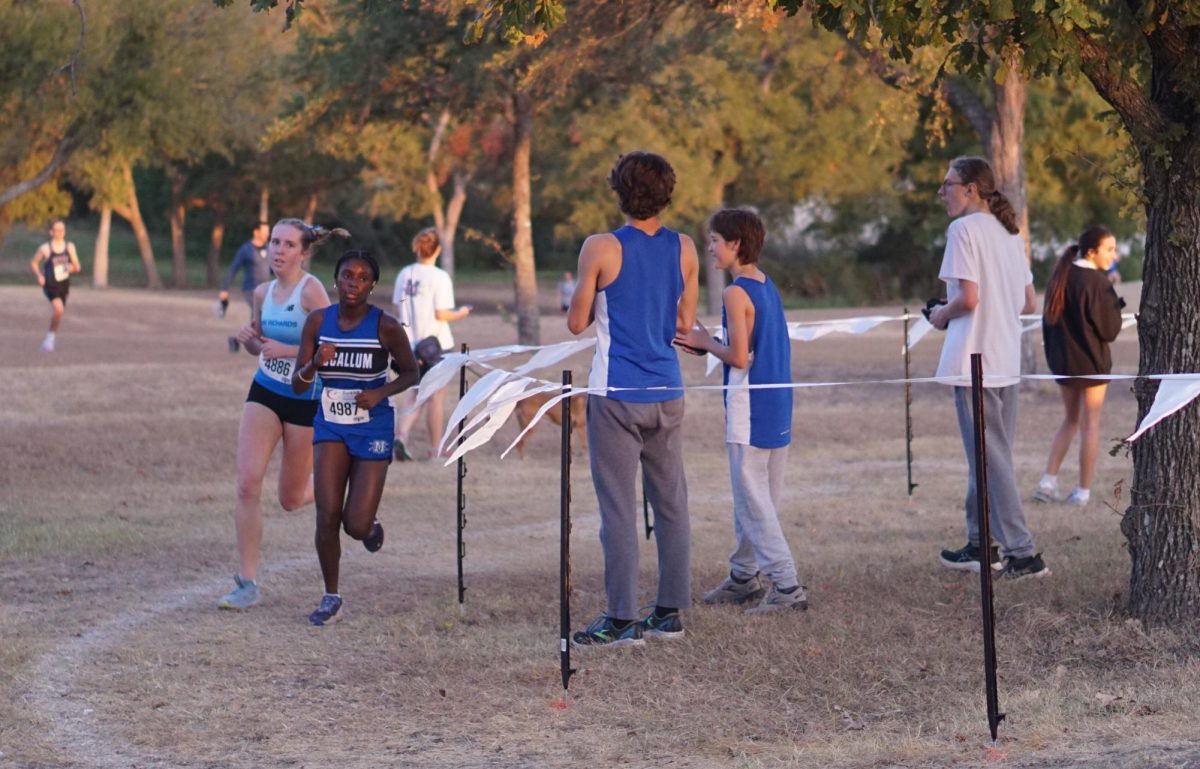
x: 908, y: 431
x: 646, y: 507
x: 985, y: 546
x: 462, y: 498
x: 564, y: 542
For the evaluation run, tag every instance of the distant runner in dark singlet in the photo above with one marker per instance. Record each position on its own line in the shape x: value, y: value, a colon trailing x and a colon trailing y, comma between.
x: 53, y: 263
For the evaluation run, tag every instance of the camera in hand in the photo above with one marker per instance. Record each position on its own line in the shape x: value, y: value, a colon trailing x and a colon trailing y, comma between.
x: 932, y: 303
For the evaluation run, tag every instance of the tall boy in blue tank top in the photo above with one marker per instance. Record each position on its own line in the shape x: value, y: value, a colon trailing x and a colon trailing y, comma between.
x: 639, y: 285
x: 758, y: 422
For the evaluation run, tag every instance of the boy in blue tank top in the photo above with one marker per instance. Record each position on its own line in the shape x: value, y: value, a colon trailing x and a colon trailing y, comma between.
x: 758, y: 422
x: 639, y: 286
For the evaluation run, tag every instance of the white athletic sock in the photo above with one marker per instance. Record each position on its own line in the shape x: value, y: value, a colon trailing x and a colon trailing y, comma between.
x: 1049, y: 481
x: 1082, y: 494
x: 49, y: 336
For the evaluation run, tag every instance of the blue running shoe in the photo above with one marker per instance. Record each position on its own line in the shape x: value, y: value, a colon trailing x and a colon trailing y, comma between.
x: 243, y: 596
x: 669, y: 626
x: 602, y: 632
x: 373, y: 541
x: 329, y: 612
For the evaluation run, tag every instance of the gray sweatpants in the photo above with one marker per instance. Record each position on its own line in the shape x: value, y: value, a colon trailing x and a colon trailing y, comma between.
x: 1006, y: 515
x: 756, y: 476
x: 621, y: 434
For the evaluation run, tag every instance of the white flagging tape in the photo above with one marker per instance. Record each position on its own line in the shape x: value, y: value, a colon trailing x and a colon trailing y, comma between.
x: 1175, y: 392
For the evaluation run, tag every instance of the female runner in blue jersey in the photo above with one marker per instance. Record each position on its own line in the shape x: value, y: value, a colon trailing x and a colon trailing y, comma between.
x: 350, y: 346
x: 273, y: 413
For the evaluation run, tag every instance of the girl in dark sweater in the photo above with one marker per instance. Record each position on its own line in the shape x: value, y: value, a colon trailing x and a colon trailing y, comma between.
x: 1082, y: 315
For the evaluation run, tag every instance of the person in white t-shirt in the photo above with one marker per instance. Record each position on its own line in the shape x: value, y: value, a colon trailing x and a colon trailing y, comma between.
x: 988, y: 286
x: 424, y: 300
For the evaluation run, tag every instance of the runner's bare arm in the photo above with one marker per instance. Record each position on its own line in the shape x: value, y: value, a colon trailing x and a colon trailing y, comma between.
x: 305, y: 370
x: 689, y: 265
x: 597, y: 250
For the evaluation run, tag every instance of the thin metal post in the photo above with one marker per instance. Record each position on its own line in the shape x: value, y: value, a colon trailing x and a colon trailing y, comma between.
x: 646, y: 507
x: 985, y: 546
x: 461, y: 518
x: 908, y: 430
x: 564, y: 543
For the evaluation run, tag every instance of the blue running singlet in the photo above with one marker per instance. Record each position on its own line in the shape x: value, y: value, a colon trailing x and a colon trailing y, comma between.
x: 761, y: 418
x: 360, y: 363
x: 635, y: 319
x: 283, y: 323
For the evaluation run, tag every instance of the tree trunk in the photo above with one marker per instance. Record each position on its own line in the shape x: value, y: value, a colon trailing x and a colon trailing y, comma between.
x: 310, y: 209
x: 448, y: 229
x: 714, y: 276
x: 1161, y: 523
x: 264, y: 208
x: 1006, y: 147
x: 176, y: 216
x: 100, y: 255
x: 216, y: 238
x: 525, y: 274
x: 132, y: 213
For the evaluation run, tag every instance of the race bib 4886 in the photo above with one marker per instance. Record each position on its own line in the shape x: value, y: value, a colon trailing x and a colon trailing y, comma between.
x: 279, y: 369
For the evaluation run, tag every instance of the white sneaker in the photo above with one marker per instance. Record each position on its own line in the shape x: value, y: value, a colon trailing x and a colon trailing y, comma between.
x: 48, y: 344
x: 1046, y: 492
x: 1078, y: 497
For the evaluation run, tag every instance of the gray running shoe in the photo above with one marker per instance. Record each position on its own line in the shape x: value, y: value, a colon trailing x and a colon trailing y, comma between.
x: 243, y: 596
x: 777, y: 600
x: 1046, y: 492
x: 733, y: 590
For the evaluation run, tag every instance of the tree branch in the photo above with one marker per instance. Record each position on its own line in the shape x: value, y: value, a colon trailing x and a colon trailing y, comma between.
x: 61, y: 153
x: 971, y: 107
x: 73, y: 62
x: 1140, y: 115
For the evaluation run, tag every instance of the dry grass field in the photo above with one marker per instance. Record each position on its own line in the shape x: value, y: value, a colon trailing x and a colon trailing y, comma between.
x: 116, y: 539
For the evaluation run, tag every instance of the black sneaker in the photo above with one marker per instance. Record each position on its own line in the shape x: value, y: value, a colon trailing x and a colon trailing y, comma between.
x: 654, y: 626
x: 401, y: 451
x: 602, y: 632
x: 1019, y: 568
x: 329, y: 612
x: 373, y: 541
x: 967, y: 558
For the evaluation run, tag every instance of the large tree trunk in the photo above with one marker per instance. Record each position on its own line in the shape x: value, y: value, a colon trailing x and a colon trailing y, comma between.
x: 264, y: 207
x: 100, y: 255
x: 177, y: 216
x: 310, y: 208
x: 216, y: 239
x: 445, y: 215
x: 525, y: 274
x: 1006, y: 147
x: 132, y: 213
x: 1162, y: 522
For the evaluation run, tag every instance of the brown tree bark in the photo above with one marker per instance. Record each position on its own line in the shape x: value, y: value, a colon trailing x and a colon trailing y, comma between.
x: 525, y: 274
x: 1163, y: 118
x: 132, y: 213
x: 1006, y: 152
x: 714, y: 276
x: 216, y: 238
x: 176, y: 216
x: 100, y: 254
x: 1162, y: 522
x: 310, y: 208
x: 264, y: 207
x: 446, y: 214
